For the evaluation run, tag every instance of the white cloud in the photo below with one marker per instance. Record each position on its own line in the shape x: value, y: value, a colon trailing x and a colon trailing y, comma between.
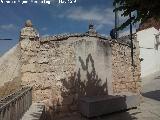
x: 101, y: 17
x: 7, y: 27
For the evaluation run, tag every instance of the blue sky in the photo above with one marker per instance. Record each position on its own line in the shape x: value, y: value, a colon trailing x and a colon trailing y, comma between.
x: 54, y: 18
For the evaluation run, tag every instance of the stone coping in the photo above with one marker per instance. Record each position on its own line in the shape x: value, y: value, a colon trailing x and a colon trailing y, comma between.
x: 124, y: 40
x: 60, y: 37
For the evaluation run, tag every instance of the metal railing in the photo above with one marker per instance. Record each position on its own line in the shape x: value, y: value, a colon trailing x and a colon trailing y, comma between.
x: 15, y: 105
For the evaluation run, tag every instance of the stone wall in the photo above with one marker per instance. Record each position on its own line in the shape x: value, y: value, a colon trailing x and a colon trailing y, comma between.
x: 126, y: 78
x: 61, y: 71
x: 63, y: 68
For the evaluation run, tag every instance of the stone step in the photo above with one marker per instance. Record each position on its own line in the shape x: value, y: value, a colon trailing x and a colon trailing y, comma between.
x: 35, y: 112
x: 101, y: 105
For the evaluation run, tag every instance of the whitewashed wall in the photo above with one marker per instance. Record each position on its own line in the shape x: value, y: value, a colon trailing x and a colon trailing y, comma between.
x: 148, y: 52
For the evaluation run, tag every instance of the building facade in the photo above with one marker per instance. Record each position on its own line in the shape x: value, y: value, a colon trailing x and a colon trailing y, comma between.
x: 149, y: 51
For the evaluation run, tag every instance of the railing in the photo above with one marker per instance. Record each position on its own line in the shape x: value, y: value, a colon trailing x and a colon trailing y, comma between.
x: 13, y: 106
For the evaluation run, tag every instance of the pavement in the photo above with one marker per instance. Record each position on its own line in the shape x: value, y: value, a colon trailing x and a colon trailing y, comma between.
x: 149, y: 109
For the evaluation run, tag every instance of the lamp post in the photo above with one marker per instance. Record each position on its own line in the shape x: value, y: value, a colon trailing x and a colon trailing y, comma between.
x: 114, y: 32
x: 131, y: 38
x: 116, y: 21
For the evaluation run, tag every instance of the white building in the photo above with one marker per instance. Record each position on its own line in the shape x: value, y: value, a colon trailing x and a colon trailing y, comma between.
x: 149, y: 51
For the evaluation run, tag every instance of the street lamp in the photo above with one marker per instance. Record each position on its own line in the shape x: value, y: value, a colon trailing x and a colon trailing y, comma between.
x: 114, y: 32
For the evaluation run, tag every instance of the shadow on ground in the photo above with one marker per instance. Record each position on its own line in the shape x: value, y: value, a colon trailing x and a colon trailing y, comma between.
x: 158, y: 77
x: 125, y: 115
x: 153, y: 95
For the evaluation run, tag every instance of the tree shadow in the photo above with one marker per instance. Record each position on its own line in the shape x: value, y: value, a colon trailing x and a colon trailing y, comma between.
x: 122, y: 115
x: 153, y: 95
x: 158, y: 77
x: 76, y: 87
x: 90, y: 85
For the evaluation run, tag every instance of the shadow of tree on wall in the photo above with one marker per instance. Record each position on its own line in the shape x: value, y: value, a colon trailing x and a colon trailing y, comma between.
x: 84, y: 82
x: 90, y: 84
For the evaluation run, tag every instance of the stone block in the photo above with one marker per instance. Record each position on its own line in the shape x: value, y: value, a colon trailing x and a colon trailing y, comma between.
x: 29, y: 77
x: 28, y: 68
x: 40, y: 68
x: 42, y: 59
x: 96, y: 106
x: 40, y: 95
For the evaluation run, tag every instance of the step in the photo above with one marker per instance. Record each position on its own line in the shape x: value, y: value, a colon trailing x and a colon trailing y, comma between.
x: 35, y: 112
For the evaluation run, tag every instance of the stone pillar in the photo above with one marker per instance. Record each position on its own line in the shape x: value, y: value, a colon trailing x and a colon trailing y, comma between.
x: 28, y: 32
x: 29, y: 43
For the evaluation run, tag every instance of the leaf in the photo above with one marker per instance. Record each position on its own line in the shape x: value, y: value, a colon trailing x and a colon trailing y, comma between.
x: 145, y: 9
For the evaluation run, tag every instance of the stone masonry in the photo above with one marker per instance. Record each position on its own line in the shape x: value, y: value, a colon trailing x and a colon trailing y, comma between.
x: 125, y: 76
x: 63, y: 68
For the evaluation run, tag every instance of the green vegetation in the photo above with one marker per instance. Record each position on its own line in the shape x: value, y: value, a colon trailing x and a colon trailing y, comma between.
x: 141, y: 10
